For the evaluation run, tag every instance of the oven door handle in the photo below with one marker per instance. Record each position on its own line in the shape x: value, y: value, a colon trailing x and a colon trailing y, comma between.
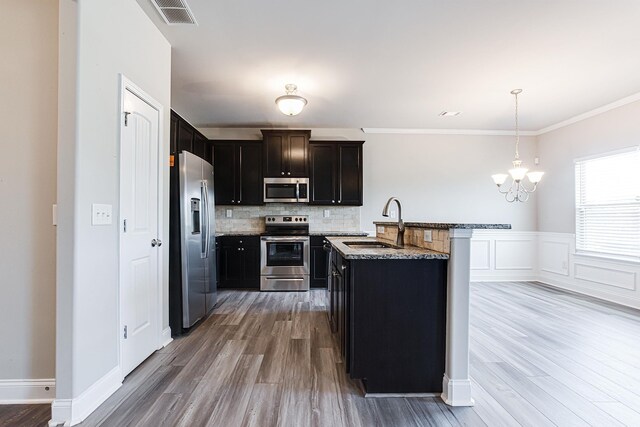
x: 298, y: 191
x: 284, y: 239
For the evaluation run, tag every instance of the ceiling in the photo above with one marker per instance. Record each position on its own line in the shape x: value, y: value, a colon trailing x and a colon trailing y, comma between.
x: 383, y: 64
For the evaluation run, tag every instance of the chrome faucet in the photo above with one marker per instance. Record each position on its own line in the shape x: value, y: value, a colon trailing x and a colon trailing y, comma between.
x: 385, y: 212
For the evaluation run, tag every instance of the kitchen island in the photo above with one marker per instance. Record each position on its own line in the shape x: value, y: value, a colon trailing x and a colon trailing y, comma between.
x: 387, y: 306
x: 444, y: 244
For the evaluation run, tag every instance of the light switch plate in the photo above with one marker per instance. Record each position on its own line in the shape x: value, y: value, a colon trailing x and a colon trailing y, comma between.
x: 327, y: 213
x: 428, y: 236
x: 380, y: 229
x: 101, y: 214
x: 229, y: 213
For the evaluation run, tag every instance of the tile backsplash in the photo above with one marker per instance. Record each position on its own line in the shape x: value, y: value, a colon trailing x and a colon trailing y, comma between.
x: 251, y: 218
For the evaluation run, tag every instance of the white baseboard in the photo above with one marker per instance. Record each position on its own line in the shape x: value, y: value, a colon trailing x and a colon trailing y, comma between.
x: 456, y: 392
x: 166, y: 337
x: 27, y: 391
x: 70, y: 412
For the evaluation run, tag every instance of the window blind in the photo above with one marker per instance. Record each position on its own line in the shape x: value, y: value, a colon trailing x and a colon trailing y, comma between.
x: 608, y: 204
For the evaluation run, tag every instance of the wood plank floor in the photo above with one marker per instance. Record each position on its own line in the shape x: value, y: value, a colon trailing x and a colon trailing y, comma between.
x: 539, y: 357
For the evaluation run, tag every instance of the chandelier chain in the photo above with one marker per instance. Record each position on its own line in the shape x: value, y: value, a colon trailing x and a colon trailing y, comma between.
x: 517, y: 130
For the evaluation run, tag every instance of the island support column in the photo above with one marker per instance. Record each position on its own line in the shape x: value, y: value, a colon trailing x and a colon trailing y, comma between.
x: 456, y: 385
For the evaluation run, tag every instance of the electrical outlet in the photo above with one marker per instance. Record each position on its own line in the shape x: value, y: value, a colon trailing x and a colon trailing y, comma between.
x: 327, y: 213
x: 101, y: 214
x: 380, y: 229
x: 229, y: 213
x: 428, y: 236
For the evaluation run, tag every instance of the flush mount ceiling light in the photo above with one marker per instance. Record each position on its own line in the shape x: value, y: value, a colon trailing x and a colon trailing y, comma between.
x: 517, y: 191
x: 291, y: 104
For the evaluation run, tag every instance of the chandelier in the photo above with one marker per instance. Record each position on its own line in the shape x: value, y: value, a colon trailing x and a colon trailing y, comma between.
x: 517, y: 191
x: 291, y: 104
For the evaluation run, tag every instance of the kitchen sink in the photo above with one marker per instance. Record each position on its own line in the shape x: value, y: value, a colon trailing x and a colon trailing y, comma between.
x: 366, y: 244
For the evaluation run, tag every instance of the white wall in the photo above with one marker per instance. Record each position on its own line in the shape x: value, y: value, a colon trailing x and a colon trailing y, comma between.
x: 440, y: 178
x: 559, y: 264
x: 28, y: 88
x: 613, y: 130
x: 113, y: 37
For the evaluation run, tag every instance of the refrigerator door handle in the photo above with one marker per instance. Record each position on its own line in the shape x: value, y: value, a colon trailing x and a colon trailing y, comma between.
x: 208, y: 213
x: 203, y: 215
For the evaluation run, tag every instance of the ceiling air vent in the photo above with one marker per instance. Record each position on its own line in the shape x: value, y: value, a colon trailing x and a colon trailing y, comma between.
x: 175, y: 12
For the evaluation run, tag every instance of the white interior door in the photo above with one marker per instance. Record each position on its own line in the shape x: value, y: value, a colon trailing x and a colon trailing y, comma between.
x: 139, y: 231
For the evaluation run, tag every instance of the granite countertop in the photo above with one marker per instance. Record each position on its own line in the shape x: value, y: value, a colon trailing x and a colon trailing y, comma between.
x: 447, y: 225
x: 337, y: 233
x: 408, y: 252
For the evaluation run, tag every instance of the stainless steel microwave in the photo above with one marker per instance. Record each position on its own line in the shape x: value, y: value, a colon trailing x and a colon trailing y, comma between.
x: 286, y: 190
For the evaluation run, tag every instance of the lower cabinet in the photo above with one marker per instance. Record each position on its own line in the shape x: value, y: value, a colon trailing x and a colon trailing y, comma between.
x: 319, y: 258
x: 238, y: 262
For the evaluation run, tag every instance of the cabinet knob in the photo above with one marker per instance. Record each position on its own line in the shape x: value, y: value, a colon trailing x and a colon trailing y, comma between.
x: 282, y: 173
x: 239, y: 249
x: 233, y: 201
x: 333, y: 201
x: 288, y: 173
x: 339, y: 201
x: 240, y: 241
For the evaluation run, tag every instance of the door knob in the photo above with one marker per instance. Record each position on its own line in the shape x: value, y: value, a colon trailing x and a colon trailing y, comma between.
x: 154, y: 243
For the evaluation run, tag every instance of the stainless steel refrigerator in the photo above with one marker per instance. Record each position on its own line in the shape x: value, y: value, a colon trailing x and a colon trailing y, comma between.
x: 197, y: 256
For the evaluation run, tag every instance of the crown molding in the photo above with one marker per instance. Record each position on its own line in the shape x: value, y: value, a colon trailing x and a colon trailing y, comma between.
x: 404, y: 131
x: 586, y: 115
x: 608, y: 107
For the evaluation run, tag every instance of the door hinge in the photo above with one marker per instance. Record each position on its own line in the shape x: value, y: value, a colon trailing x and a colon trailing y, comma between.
x: 124, y: 226
x: 126, y: 118
x: 125, y: 332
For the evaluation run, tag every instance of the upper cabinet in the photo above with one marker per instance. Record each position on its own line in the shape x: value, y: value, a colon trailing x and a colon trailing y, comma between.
x: 286, y: 153
x: 237, y: 170
x: 335, y: 173
x: 186, y: 137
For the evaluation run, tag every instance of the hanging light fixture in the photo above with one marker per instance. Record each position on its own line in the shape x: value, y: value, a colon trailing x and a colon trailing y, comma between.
x: 517, y: 191
x: 291, y: 104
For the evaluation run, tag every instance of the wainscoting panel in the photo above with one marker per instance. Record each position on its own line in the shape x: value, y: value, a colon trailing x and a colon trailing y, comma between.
x: 480, y: 254
x: 550, y: 258
x: 554, y: 257
x: 610, y: 280
x: 616, y: 277
x: 503, y: 255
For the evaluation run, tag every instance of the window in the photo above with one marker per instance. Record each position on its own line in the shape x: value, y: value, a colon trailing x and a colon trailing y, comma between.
x: 608, y: 204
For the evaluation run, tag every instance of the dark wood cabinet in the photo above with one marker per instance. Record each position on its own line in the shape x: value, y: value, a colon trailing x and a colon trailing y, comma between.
x: 237, y: 172
x: 286, y: 153
x: 183, y: 136
x: 319, y: 258
x: 239, y: 262
x: 335, y: 173
x: 340, y: 305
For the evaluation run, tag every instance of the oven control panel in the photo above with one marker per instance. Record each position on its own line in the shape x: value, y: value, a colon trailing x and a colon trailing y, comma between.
x: 286, y: 219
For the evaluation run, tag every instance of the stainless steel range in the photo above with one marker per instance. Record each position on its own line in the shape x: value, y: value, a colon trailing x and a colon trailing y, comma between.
x: 284, y: 253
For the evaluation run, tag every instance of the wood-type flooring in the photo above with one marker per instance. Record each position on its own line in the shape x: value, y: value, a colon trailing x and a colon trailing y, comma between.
x: 539, y: 357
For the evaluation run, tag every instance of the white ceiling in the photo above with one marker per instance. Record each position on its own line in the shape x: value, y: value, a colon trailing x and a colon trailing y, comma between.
x: 385, y: 64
